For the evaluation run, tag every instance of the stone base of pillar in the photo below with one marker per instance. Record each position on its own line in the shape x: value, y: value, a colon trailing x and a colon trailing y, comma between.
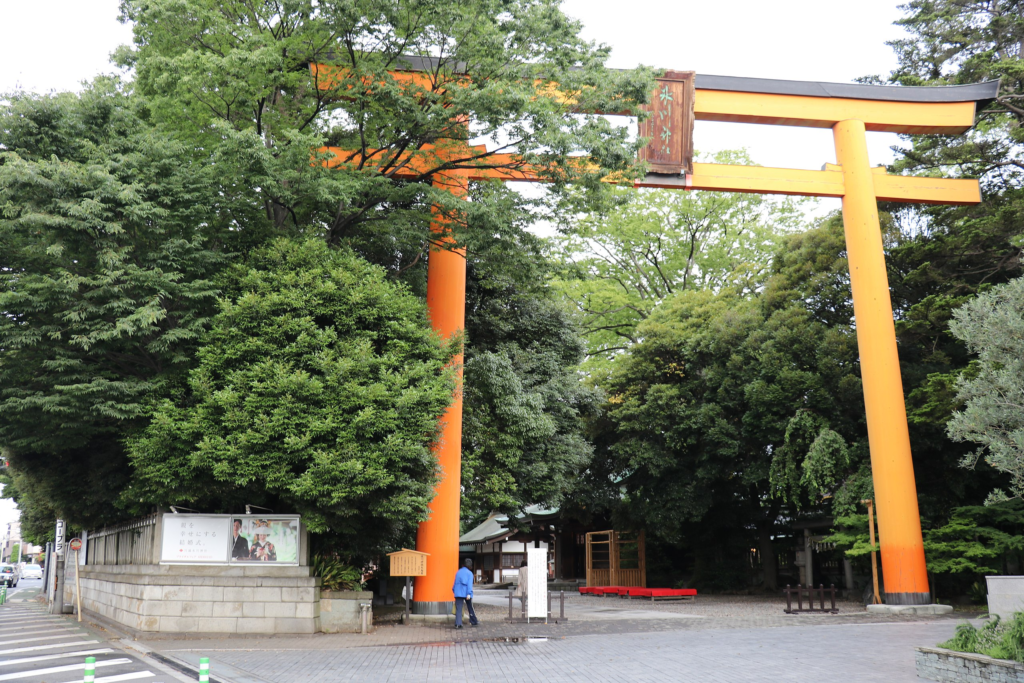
x: 907, y: 598
x: 445, y: 607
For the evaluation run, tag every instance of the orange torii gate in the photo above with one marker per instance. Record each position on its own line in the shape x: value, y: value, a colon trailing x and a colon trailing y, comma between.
x: 850, y: 110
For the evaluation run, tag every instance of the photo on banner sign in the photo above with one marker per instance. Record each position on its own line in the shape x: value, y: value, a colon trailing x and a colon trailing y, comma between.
x: 264, y: 539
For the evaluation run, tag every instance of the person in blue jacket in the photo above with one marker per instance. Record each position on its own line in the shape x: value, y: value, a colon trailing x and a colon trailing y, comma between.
x: 463, y: 590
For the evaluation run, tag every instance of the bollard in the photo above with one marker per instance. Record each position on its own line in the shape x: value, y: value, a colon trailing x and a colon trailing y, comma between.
x: 3, y: 594
x: 204, y: 670
x: 364, y: 611
x: 90, y: 669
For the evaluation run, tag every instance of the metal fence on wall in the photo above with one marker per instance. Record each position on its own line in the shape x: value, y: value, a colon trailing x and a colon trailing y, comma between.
x: 126, y: 543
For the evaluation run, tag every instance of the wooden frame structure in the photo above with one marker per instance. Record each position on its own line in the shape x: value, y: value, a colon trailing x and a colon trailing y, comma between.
x: 850, y: 110
x: 606, y: 548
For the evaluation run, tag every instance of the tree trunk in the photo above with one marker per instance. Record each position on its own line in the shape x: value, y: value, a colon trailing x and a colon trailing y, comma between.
x: 769, y: 565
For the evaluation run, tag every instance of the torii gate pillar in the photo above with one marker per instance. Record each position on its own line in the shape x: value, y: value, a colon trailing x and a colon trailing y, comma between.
x: 892, y: 468
x: 439, y: 534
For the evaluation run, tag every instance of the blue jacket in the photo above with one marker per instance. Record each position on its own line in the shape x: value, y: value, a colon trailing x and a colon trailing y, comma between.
x: 463, y: 586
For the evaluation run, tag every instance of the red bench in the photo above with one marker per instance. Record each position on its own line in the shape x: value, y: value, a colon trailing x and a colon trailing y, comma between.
x: 662, y: 593
x: 637, y: 592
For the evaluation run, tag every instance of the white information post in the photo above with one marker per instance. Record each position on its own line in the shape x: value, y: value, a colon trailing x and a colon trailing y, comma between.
x: 537, y: 579
x: 58, y: 545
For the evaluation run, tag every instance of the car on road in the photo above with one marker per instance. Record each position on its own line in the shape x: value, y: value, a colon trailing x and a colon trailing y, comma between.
x: 32, y: 571
x: 9, y: 574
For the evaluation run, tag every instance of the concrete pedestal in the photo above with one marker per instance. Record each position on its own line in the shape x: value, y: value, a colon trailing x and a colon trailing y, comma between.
x: 1005, y: 595
x: 908, y: 610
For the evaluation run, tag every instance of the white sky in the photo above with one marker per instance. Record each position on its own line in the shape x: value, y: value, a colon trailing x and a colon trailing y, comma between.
x: 56, y: 44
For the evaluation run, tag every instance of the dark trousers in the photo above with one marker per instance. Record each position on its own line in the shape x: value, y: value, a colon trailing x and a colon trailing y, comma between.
x: 458, y: 611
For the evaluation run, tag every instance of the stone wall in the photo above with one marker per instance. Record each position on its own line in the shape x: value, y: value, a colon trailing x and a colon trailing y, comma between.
x: 258, y: 599
x: 340, y: 611
x: 935, y: 664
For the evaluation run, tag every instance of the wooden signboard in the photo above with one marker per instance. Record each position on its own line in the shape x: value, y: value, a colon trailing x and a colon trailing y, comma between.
x: 407, y: 562
x: 670, y: 125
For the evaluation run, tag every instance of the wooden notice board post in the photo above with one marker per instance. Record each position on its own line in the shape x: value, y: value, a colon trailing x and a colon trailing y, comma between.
x: 408, y: 563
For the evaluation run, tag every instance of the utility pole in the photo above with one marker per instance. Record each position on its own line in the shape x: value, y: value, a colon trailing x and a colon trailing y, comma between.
x: 58, y: 580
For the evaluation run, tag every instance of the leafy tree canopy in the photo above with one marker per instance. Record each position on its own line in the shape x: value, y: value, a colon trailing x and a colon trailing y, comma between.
x: 621, y: 264
x: 234, y: 79
x: 317, y: 388
x: 108, y: 243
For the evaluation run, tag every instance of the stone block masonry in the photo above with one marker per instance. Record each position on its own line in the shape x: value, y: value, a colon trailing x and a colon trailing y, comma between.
x: 947, y: 666
x: 196, y: 599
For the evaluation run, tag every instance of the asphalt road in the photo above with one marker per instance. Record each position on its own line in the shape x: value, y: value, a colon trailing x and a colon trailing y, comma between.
x: 37, y: 647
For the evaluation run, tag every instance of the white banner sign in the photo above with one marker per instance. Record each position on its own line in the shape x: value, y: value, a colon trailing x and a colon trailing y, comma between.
x: 195, y: 538
x: 537, y: 578
x: 215, y: 539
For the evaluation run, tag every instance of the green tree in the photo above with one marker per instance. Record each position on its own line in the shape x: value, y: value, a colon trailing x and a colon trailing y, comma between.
x: 108, y: 241
x: 621, y: 264
x: 523, y: 440
x: 233, y: 78
x: 717, y: 405
x: 953, y: 42
x: 317, y: 390
x: 992, y: 326
x: 15, y: 553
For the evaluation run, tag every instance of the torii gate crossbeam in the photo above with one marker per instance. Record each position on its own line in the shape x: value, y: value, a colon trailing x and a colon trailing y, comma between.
x: 850, y: 110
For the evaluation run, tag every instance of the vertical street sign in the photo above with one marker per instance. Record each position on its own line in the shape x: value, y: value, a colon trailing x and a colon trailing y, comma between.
x: 670, y: 125
x: 59, y: 540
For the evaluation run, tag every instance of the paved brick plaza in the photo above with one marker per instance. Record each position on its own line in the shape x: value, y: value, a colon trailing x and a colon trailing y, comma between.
x: 855, y: 652
x: 716, y: 639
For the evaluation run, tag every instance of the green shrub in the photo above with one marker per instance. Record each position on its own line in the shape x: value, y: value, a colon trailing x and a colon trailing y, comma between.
x: 1002, y: 640
x: 335, y: 575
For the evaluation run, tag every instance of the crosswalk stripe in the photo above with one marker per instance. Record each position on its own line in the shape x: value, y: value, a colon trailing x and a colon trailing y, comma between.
x: 56, y: 629
x: 73, y: 643
x: 34, y: 640
x: 52, y: 627
x: 43, y: 658
x: 26, y: 620
x: 125, y: 677
x: 58, y: 669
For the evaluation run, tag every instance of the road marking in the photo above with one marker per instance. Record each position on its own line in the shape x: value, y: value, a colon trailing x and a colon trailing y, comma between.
x: 74, y: 643
x: 125, y: 677
x: 58, y: 669
x: 35, y: 633
x: 43, y: 658
x: 35, y: 640
x: 22, y: 620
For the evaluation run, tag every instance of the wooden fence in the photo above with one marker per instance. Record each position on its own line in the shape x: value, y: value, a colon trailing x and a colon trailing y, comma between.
x: 132, y: 542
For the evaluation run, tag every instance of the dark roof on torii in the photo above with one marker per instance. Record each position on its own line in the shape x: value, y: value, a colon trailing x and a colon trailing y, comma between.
x: 975, y: 92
